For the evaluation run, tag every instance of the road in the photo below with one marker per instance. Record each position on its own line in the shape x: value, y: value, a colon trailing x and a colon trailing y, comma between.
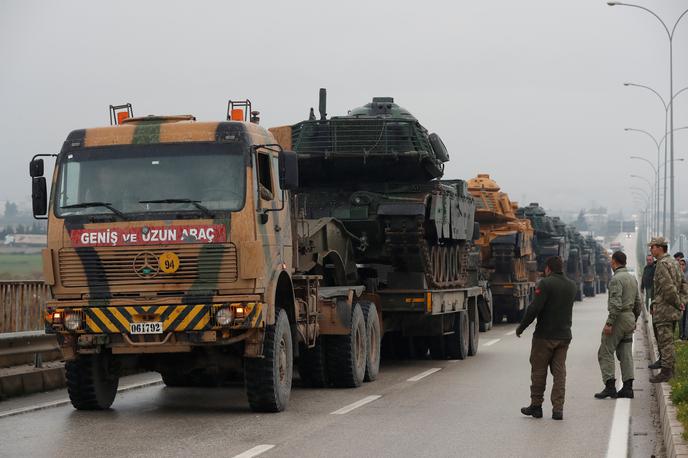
x: 415, y: 408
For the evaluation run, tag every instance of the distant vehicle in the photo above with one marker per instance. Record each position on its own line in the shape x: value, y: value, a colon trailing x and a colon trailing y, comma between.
x: 629, y: 235
x: 616, y: 246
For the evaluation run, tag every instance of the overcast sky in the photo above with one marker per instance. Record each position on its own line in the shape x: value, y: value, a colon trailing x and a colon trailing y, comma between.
x: 529, y: 91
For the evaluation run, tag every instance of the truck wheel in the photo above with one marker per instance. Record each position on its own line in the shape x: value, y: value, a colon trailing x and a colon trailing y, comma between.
x: 372, y: 324
x: 92, y: 381
x: 268, y: 379
x: 311, y: 364
x: 473, y: 334
x: 420, y: 347
x: 437, y: 347
x: 457, y: 342
x: 346, y: 355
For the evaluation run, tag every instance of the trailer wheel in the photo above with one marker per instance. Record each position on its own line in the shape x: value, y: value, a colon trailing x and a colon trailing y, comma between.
x: 346, y: 355
x: 311, y: 364
x: 92, y: 381
x: 473, y: 334
x: 268, y: 379
x: 457, y: 343
x: 372, y: 324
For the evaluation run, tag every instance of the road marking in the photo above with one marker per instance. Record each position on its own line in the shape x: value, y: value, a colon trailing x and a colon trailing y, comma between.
x: 415, y: 378
x: 62, y: 402
x: 255, y: 451
x: 510, y: 333
x: 356, y: 405
x: 618, y: 438
x: 491, y: 342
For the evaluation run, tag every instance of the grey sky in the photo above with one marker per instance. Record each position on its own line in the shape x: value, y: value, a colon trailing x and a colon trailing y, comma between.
x: 530, y: 91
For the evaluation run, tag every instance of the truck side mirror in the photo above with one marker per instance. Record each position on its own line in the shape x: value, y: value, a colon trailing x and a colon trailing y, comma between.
x: 36, y: 168
x: 39, y: 196
x: 288, y: 170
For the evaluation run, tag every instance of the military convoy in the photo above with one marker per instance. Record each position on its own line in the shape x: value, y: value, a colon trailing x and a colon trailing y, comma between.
x: 224, y: 251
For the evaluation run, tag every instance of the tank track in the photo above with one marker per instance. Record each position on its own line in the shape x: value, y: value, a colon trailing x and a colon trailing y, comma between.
x: 445, y: 265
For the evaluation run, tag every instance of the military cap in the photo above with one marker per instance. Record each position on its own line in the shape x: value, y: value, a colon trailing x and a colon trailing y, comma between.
x: 659, y: 241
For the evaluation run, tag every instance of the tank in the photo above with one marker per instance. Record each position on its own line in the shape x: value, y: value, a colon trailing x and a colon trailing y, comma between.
x: 378, y: 171
x: 547, y: 241
x: 574, y: 266
x: 506, y: 248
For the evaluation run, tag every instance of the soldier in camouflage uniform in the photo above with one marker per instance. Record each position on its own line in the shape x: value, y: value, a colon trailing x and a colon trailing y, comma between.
x: 667, y: 305
x: 624, y: 305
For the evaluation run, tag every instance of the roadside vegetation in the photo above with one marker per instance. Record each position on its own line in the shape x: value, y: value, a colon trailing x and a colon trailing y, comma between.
x: 679, y: 385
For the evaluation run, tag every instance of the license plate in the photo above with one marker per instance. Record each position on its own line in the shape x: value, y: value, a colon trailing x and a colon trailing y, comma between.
x: 150, y: 327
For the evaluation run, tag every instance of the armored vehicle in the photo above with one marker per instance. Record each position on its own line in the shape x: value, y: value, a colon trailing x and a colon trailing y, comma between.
x: 602, y: 267
x: 590, y: 279
x: 506, y: 248
x: 547, y: 241
x: 377, y: 170
x: 574, y: 266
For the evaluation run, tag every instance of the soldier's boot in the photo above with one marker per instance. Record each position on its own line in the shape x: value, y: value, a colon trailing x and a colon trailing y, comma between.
x: 533, y: 411
x: 609, y: 390
x: 656, y: 365
x: 664, y: 376
x: 627, y: 390
x: 557, y: 415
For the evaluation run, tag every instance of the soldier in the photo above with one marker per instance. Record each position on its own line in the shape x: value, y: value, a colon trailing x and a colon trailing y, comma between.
x: 552, y: 306
x: 646, y: 282
x: 667, y: 305
x: 624, y: 305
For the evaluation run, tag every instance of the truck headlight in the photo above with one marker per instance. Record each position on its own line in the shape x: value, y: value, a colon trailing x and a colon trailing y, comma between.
x: 73, y: 320
x: 224, y: 316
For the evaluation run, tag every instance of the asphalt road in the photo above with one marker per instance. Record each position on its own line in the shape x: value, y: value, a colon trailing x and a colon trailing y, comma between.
x: 415, y: 408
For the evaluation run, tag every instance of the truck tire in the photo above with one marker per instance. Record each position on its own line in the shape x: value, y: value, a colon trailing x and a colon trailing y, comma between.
x: 372, y: 324
x: 456, y: 344
x: 437, y: 347
x: 268, y: 379
x: 92, y: 381
x: 346, y: 355
x: 311, y: 364
x: 473, y: 334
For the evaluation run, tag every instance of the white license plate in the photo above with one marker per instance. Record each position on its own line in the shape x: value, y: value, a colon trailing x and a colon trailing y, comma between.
x: 150, y: 327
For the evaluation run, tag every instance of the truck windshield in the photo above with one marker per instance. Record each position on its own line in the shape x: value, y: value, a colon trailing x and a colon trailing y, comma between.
x: 139, y: 179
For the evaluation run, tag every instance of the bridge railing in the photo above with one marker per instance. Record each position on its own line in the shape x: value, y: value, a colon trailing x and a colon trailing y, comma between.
x: 22, y: 304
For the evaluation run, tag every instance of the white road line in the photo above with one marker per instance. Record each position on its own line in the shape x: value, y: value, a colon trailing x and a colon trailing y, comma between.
x: 491, y: 342
x: 415, y: 378
x: 62, y: 402
x: 510, y: 333
x: 356, y: 405
x: 255, y: 451
x: 618, y: 437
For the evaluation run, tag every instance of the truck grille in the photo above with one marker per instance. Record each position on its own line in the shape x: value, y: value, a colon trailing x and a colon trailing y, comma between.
x: 115, y: 265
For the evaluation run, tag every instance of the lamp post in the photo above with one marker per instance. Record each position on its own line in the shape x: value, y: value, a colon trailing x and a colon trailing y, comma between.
x: 670, y: 35
x: 658, y: 144
x: 656, y: 173
x: 648, y: 196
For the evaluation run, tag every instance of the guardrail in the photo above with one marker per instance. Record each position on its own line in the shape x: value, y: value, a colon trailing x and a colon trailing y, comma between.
x: 22, y: 304
x: 22, y: 347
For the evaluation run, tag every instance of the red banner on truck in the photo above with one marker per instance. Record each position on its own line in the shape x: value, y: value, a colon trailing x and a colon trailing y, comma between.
x: 148, y: 235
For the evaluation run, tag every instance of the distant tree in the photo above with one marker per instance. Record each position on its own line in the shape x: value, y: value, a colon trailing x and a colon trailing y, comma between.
x: 20, y: 229
x: 11, y: 209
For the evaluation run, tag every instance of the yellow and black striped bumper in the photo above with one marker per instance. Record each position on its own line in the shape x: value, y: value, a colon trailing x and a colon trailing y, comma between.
x: 174, y: 318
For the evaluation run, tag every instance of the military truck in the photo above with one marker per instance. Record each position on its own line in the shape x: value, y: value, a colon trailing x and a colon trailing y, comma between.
x: 547, y: 241
x: 602, y: 267
x: 175, y: 246
x: 506, y: 248
x: 574, y: 266
x: 590, y: 279
x: 378, y: 171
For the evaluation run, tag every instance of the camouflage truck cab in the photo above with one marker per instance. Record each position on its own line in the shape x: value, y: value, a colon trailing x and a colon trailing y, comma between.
x: 172, y: 247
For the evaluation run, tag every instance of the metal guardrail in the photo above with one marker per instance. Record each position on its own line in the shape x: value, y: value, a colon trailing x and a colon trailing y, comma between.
x: 14, y: 344
x: 22, y: 304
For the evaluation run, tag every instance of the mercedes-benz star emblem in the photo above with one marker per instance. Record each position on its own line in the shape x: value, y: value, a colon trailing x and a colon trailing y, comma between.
x: 146, y: 265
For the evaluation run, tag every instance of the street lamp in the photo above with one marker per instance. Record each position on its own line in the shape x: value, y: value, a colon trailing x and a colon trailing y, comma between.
x: 670, y: 35
x: 656, y: 172
x: 658, y: 144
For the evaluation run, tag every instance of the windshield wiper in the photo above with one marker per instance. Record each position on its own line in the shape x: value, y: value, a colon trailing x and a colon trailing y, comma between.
x: 107, y: 205
x: 196, y: 203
